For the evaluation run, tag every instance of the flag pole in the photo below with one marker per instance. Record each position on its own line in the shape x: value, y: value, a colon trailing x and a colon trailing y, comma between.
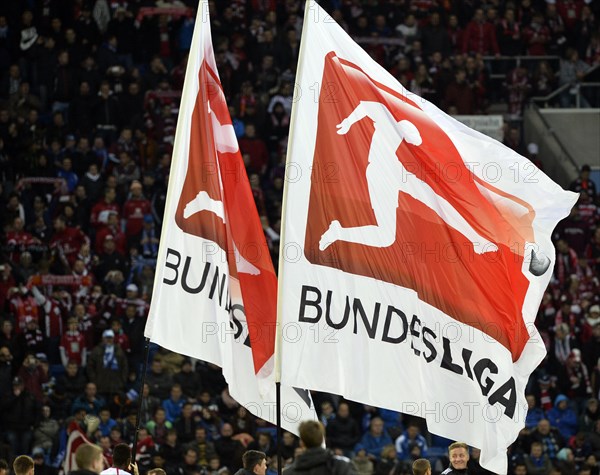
x: 139, y: 414
x: 279, y: 435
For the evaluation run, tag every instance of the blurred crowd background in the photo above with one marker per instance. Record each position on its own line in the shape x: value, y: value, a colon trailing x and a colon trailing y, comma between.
x: 89, y: 96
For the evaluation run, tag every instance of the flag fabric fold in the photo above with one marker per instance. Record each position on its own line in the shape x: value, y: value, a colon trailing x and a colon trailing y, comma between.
x: 415, y: 251
x: 215, y: 288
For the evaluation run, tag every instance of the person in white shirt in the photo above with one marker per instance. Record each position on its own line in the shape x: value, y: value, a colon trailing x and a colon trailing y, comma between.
x: 121, y: 462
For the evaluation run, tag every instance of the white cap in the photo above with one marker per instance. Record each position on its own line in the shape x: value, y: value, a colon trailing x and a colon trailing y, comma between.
x: 533, y: 148
x: 132, y: 287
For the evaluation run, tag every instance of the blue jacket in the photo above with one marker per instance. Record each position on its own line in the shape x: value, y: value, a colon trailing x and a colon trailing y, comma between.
x: 534, y: 416
x: 565, y: 420
x: 173, y: 409
x: 404, y: 446
x: 372, y: 444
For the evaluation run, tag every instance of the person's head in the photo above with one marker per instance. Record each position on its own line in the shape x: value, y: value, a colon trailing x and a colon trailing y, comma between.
x: 343, y: 410
x: 122, y: 456
x: 537, y: 449
x: 458, y: 453
x: 23, y: 465
x: 312, y: 434
x: 89, y: 457
x: 3, y: 467
x: 412, y: 431
x: 136, y: 189
x: 264, y: 439
x: 255, y: 461
x: 190, y: 456
x: 90, y: 390
x: 226, y: 430
x: 156, y: 471
x: 159, y: 415
x: 104, y: 415
x: 176, y: 392
x: 200, y: 434
x: 326, y: 408
x: 421, y: 467
x: 520, y: 469
x: 376, y: 426
x: 585, y: 172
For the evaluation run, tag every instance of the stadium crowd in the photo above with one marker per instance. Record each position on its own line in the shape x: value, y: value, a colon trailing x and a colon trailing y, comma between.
x: 89, y: 94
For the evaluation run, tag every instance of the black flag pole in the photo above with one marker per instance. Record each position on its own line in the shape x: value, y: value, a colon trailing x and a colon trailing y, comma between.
x: 141, y: 398
x: 278, y: 420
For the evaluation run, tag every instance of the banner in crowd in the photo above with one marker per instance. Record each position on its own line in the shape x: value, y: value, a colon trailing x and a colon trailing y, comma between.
x: 490, y: 125
x: 215, y: 288
x: 415, y: 251
x: 59, y: 184
x: 64, y: 280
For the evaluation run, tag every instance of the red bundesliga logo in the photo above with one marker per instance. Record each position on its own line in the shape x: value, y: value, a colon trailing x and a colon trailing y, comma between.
x: 391, y: 212
x: 200, y: 209
x: 216, y: 204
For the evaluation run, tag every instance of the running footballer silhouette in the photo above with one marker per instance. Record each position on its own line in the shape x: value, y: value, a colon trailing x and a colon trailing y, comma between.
x: 384, y: 164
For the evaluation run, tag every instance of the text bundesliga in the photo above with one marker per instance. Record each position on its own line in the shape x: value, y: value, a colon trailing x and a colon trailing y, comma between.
x: 214, y: 284
x: 396, y: 330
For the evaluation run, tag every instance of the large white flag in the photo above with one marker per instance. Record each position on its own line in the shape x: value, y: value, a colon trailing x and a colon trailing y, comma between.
x: 415, y: 251
x: 215, y: 288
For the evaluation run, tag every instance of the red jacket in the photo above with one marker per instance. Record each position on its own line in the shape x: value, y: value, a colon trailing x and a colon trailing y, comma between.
x: 480, y: 38
x: 120, y: 240
x: 256, y: 148
x: 99, y: 210
x: 70, y: 241
x: 133, y: 212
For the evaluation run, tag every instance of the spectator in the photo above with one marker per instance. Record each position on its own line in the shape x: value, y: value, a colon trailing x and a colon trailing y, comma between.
x: 134, y: 210
x: 534, y: 414
x: 536, y: 35
x: 563, y: 417
x: 572, y: 71
x: 480, y: 36
x: 89, y: 401
x: 107, y: 366
x: 536, y: 461
x: 408, y: 440
x: 229, y: 450
x: 374, y: 440
x: 19, y: 416
x: 185, y: 424
x: 583, y: 183
x: 343, y: 432
x: 549, y: 437
x: 174, y: 405
x: 459, y: 97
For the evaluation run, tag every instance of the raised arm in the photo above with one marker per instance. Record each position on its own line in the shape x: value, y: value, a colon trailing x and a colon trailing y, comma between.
x: 374, y: 110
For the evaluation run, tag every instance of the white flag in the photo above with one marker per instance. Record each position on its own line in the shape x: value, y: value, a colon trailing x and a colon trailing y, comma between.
x: 215, y: 288
x: 415, y: 251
